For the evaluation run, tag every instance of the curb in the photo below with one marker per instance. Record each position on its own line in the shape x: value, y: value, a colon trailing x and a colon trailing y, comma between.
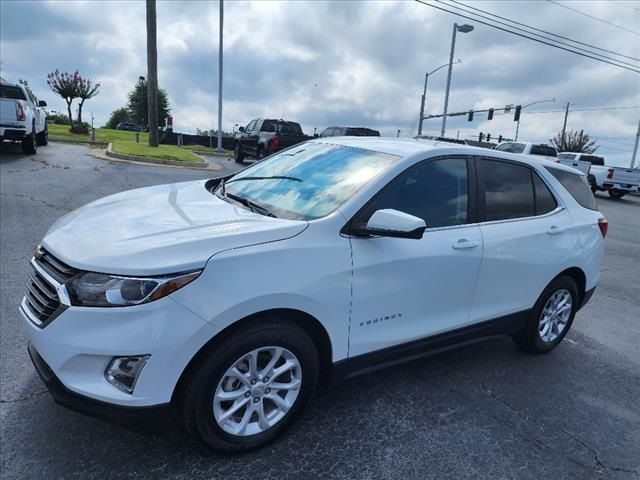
x: 77, y: 142
x: 157, y: 161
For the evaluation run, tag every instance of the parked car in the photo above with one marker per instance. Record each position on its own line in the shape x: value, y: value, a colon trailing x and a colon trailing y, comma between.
x: 616, y: 181
x: 571, y: 160
x: 324, y: 261
x: 22, y: 117
x: 133, y: 127
x: 349, y: 132
x: 528, y: 148
x: 263, y: 136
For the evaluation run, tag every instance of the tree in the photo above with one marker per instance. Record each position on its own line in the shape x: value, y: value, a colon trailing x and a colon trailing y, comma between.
x: 117, y: 116
x: 64, y: 84
x: 574, y: 141
x: 71, y: 86
x: 152, y: 73
x: 25, y: 84
x: 86, y: 90
x: 138, y: 104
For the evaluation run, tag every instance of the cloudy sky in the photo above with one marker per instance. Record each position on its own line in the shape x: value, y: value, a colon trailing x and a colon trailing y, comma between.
x: 338, y: 63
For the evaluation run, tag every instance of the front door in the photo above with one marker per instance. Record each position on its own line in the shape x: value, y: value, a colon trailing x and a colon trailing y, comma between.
x: 406, y: 289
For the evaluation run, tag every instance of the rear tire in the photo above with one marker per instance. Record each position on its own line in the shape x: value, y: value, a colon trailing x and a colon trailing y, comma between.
x: 551, y: 317
x: 616, y: 194
x: 29, y: 143
x: 43, y: 137
x: 238, y: 154
x: 593, y: 184
x: 212, y: 379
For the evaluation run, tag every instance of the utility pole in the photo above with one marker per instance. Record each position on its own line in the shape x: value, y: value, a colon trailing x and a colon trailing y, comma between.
x: 152, y: 73
x: 220, y: 77
x: 635, y: 147
x: 564, y: 125
x: 424, y: 95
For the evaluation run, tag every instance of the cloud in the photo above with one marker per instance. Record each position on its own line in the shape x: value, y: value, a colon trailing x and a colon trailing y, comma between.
x: 335, y: 63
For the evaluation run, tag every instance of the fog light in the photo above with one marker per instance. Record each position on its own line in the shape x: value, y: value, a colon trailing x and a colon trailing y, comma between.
x: 123, y: 372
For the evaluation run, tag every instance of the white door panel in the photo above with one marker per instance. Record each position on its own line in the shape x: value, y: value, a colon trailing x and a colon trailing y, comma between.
x: 405, y: 289
x: 520, y: 258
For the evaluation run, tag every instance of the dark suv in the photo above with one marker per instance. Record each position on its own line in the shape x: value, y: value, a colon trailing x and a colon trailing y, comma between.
x: 263, y: 136
x: 349, y: 132
x: 129, y: 126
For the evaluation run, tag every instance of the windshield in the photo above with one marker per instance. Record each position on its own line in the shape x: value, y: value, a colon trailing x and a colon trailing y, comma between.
x: 311, y: 180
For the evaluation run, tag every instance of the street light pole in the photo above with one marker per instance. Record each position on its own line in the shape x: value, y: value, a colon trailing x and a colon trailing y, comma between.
x: 456, y: 28
x: 220, y: 78
x: 528, y: 105
x: 424, y: 94
x: 635, y: 148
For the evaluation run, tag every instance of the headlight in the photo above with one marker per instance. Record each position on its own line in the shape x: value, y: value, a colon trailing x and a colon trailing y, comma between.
x: 101, y: 290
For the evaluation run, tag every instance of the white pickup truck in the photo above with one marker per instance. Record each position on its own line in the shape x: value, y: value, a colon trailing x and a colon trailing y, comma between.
x: 616, y: 181
x: 528, y: 148
x: 22, y: 118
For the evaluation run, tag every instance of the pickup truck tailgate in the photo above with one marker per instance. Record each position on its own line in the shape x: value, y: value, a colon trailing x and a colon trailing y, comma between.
x: 581, y: 165
x: 8, y: 111
x: 624, y: 176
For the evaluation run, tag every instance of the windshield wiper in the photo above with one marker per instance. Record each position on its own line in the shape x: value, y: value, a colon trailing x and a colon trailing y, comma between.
x: 272, y: 177
x: 254, y: 207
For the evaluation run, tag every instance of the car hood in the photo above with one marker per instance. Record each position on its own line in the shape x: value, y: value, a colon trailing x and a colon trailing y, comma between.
x: 157, y: 230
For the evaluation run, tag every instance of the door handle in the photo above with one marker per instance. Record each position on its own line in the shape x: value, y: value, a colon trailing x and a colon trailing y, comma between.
x: 463, y: 243
x: 553, y: 230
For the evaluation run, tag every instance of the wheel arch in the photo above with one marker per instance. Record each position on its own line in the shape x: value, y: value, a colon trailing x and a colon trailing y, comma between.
x: 301, y: 319
x: 578, y: 275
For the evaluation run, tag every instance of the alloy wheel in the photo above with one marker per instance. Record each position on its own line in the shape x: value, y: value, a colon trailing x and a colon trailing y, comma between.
x: 257, y: 391
x: 555, y: 315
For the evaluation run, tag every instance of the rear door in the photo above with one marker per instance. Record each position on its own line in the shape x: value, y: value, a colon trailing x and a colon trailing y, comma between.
x: 526, y: 235
x: 408, y: 289
x: 250, y: 138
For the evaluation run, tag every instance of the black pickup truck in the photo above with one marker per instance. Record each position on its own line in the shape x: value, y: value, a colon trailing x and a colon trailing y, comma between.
x: 263, y: 136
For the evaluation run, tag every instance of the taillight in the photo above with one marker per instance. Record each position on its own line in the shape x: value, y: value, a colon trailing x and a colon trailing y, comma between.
x: 603, y: 225
x: 275, y: 143
x: 610, y: 173
x: 19, y: 111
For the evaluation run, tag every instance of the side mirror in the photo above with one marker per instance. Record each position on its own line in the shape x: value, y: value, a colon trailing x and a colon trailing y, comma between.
x: 42, y: 103
x: 241, y: 129
x: 393, y: 223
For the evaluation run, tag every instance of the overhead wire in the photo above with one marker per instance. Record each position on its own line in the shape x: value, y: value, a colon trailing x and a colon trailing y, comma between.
x: 548, y: 33
x: 594, y: 18
x: 614, y: 62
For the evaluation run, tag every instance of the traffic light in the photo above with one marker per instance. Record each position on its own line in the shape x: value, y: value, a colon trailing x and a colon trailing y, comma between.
x: 470, y: 116
x: 500, y: 139
x: 480, y: 136
x: 516, y: 116
x: 488, y: 137
x: 490, y: 115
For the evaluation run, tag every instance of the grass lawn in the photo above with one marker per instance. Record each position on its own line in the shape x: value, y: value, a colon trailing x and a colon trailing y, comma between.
x: 125, y: 142
x: 167, y: 152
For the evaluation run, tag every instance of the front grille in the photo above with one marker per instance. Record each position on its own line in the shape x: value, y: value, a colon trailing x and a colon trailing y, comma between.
x: 41, y: 297
x: 59, y: 270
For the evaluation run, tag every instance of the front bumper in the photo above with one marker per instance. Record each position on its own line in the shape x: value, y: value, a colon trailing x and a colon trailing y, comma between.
x: 128, y: 416
x: 80, y: 343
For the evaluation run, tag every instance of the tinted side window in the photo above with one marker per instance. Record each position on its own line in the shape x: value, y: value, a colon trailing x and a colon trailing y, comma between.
x: 508, y: 190
x: 435, y: 191
x: 545, y: 201
x: 268, y: 126
x: 545, y: 150
x: 577, y: 185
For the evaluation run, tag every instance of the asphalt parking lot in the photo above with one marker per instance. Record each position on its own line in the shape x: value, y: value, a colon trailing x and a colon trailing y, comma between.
x: 484, y: 411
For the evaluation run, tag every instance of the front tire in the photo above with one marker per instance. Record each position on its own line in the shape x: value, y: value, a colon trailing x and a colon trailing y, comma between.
x: 43, y: 137
x: 238, y: 154
x: 551, y: 316
x: 29, y: 143
x: 616, y: 194
x: 250, y: 388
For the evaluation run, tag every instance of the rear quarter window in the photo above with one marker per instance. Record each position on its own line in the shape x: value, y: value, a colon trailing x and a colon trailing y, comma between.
x: 577, y: 186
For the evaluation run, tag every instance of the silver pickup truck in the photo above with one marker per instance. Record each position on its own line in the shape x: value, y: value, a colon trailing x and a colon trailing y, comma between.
x: 21, y: 118
x: 616, y: 181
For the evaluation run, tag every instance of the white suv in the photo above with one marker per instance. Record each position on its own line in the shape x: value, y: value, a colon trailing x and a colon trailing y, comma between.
x: 229, y: 300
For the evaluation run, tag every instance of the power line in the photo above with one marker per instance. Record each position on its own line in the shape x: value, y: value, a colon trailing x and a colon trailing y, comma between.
x: 529, y: 37
x: 548, y: 33
x: 595, y: 18
x: 623, y: 5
